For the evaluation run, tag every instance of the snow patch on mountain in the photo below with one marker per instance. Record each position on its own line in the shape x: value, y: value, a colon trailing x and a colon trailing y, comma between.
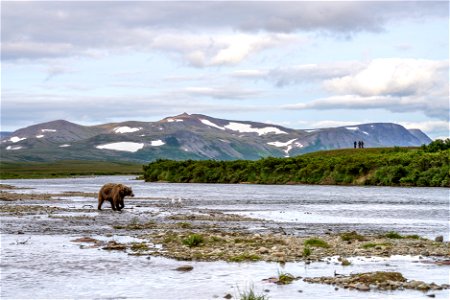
x: 126, y: 129
x: 64, y: 145
x: 211, y: 124
x: 16, y: 139
x: 157, y: 143
x: 40, y: 136
x: 48, y: 130
x: 170, y: 120
x: 352, y: 128
x: 122, y: 146
x: 287, y: 144
x: 13, y: 148
x: 241, y: 127
x: 281, y: 144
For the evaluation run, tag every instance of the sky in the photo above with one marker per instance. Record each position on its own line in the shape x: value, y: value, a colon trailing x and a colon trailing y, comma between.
x: 299, y: 64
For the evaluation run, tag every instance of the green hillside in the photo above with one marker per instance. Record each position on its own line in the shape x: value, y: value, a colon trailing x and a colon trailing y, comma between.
x: 425, y: 166
x: 15, y: 170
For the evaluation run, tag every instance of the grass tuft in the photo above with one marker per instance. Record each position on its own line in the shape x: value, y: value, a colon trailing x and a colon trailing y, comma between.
x: 244, y: 256
x: 352, y: 236
x: 315, y: 242
x: 139, y: 247
x: 393, y: 235
x: 250, y: 295
x: 194, y: 240
x: 307, y: 251
x: 285, y: 278
x: 185, y: 225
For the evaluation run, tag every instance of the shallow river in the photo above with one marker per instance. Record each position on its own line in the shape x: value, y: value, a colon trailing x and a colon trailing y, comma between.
x: 50, y: 266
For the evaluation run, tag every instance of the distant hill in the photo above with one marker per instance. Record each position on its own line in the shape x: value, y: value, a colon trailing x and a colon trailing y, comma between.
x: 191, y: 137
x: 4, y: 134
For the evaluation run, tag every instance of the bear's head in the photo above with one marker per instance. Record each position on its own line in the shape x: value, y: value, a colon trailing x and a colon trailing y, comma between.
x: 127, y: 191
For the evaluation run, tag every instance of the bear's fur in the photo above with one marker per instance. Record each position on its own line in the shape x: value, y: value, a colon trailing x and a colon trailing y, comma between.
x: 114, y: 193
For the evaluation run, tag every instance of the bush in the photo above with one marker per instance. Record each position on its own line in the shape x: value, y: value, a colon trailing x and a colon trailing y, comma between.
x: 428, y: 166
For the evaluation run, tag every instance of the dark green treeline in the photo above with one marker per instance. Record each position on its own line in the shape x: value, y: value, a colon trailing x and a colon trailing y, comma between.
x: 425, y: 166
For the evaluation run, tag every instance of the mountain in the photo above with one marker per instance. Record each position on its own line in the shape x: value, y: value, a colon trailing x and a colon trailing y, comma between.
x: 191, y: 137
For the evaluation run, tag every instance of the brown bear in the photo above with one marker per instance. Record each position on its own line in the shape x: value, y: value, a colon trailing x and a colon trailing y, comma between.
x: 114, y: 193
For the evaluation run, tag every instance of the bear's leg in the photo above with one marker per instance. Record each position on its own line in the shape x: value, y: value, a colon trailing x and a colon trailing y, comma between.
x: 115, y: 203
x: 100, y: 202
x: 121, y: 204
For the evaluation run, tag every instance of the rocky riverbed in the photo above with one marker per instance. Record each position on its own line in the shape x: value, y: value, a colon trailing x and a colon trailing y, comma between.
x: 172, y: 228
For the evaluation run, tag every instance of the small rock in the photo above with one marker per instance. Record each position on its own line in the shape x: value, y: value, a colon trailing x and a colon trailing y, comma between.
x: 423, y: 287
x: 228, y: 296
x: 263, y: 250
x: 439, y: 239
x: 266, y: 290
x: 362, y: 287
x: 278, y: 254
x: 431, y: 295
x: 336, y: 289
x: 300, y: 291
x: 345, y: 262
x: 185, y: 268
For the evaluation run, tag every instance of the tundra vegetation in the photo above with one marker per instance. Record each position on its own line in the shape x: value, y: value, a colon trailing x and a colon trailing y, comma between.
x: 424, y: 166
x: 69, y: 168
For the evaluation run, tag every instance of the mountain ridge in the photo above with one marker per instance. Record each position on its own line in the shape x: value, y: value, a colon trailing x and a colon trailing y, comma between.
x: 192, y: 136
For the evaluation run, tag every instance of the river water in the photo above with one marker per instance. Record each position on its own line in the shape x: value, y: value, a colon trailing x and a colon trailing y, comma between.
x: 422, y: 211
x: 49, y: 266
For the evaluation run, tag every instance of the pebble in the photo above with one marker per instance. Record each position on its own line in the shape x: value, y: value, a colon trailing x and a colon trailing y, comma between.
x: 228, y: 296
x: 185, y: 268
x: 362, y: 287
x: 439, y: 239
x: 263, y: 250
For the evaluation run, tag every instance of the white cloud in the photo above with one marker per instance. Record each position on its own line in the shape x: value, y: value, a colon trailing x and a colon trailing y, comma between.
x: 230, y: 92
x: 202, y: 50
x: 393, y: 84
x: 331, y: 123
x: 391, y: 76
x: 428, y: 126
x: 46, y: 29
x: 434, y: 109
